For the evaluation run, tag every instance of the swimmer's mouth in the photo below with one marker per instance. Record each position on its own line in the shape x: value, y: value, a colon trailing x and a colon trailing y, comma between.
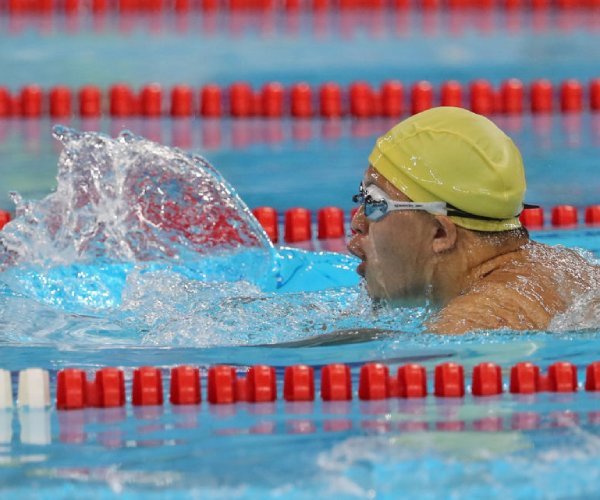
x: 360, y: 269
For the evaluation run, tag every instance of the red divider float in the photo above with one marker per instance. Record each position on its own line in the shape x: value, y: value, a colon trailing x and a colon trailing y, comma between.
x: 532, y: 218
x: 122, y: 101
x: 571, y: 96
x: 259, y: 385
x: 151, y: 100
x: 482, y: 97
x: 449, y: 380
x: 421, y: 97
x: 592, y: 377
x: 272, y: 96
x: 130, y: 7
x: 412, y: 381
x: 6, y: 103
x: 267, y: 216
x: 210, y: 101
x: 299, y: 383
x: 262, y: 384
x: 182, y: 101
x: 185, y: 386
x: 297, y: 225
x: 512, y: 93
x: 541, y: 96
x: 90, y: 101
x: 4, y: 218
x: 451, y: 94
x: 373, y: 381
x: 564, y: 216
x: 595, y: 94
x: 592, y: 215
x: 363, y: 100
x: 487, y: 380
x: 241, y: 100
x: 562, y: 377
x: 392, y: 99
x: 71, y: 389
x: 108, y: 388
x: 301, y: 100
x: 336, y: 383
x: 30, y: 101
x: 147, y: 387
x: 221, y: 384
x: 330, y: 222
x: 524, y: 378
x: 61, y: 100
x: 330, y: 97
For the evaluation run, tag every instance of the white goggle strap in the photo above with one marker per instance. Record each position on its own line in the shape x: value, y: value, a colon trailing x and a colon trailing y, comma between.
x: 433, y: 207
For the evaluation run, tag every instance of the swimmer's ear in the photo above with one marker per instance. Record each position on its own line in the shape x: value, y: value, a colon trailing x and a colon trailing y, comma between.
x: 445, y: 234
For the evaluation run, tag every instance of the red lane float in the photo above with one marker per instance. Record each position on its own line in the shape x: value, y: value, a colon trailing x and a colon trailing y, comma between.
x: 297, y: 225
x: 4, y: 218
x: 147, y: 387
x: 564, y: 216
x: 449, y: 381
x: 330, y: 95
x: 374, y: 382
x: 451, y: 94
x: 331, y: 221
x: 541, y: 96
x: 412, y: 381
x: 60, y: 102
x: 487, y: 380
x: 299, y: 383
x: 90, y: 101
x: 130, y: 7
x: 360, y: 100
x: 182, y: 104
x: 185, y: 386
x: 260, y: 385
x: 301, y: 100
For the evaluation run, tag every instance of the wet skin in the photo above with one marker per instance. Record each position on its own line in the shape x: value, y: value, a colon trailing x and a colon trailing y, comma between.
x: 475, y: 281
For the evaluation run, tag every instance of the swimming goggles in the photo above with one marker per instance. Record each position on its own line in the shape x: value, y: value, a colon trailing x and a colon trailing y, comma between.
x: 377, y: 204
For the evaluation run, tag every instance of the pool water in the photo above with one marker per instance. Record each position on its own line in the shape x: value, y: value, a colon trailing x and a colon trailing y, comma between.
x: 72, y: 296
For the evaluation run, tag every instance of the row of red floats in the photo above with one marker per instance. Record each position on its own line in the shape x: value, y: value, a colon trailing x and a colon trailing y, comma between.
x: 331, y: 225
x: 259, y: 385
x: 273, y: 100
x: 330, y: 221
x: 100, y: 6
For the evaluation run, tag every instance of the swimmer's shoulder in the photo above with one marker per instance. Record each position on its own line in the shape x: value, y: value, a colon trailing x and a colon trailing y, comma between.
x: 492, y: 305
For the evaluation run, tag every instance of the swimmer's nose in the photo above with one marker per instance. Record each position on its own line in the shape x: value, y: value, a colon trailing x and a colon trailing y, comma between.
x: 359, y: 222
x: 359, y: 228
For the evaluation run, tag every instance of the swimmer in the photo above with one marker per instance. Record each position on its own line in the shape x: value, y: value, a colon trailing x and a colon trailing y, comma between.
x: 438, y: 224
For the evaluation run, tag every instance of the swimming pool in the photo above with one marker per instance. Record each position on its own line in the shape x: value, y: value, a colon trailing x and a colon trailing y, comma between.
x: 506, y: 445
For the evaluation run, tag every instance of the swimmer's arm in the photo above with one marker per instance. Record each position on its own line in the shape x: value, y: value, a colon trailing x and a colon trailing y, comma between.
x: 350, y: 336
x: 493, y: 307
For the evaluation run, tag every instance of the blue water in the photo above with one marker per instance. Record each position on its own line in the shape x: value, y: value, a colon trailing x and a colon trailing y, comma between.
x: 76, y: 298
x: 163, y: 302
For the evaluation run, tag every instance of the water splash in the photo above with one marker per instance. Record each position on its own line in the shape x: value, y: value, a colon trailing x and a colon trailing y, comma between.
x: 142, y: 243
x: 130, y: 200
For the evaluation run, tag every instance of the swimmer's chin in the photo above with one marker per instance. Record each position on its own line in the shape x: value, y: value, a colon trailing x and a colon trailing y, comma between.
x: 380, y: 300
x: 361, y: 269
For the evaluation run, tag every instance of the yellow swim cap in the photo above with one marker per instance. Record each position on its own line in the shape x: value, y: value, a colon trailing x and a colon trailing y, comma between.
x: 453, y: 155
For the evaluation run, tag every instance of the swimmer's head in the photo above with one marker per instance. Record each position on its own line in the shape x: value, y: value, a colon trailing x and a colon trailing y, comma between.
x: 452, y: 155
x: 437, y: 183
